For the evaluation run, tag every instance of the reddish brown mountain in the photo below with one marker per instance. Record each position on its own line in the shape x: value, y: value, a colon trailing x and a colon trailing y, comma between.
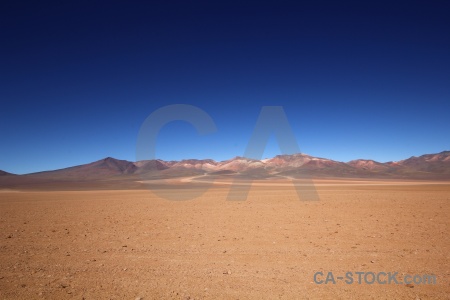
x: 198, y: 164
x: 428, y: 165
x: 103, y: 168
x: 110, y: 171
x: 368, y: 164
x: 3, y: 173
x: 427, y: 160
x: 144, y: 166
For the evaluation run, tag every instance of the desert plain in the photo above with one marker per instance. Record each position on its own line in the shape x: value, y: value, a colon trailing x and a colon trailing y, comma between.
x: 130, y: 243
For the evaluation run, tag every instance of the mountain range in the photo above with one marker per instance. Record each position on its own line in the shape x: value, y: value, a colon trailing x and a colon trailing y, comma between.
x: 110, y: 171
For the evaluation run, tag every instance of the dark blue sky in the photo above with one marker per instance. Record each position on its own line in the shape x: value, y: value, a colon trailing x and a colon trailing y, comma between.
x: 356, y: 79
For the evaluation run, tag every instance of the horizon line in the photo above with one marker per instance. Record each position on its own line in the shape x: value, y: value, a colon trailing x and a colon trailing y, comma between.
x: 235, y: 157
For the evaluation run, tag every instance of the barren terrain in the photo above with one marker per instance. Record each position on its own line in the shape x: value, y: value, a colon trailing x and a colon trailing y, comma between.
x: 128, y: 244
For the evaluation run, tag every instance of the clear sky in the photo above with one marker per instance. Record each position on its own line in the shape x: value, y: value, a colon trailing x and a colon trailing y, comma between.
x: 357, y: 79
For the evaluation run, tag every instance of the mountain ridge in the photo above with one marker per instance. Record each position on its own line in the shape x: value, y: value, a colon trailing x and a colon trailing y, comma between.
x: 426, y: 166
x: 3, y: 173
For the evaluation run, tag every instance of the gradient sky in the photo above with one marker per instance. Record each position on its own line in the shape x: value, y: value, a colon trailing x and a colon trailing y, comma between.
x: 356, y: 79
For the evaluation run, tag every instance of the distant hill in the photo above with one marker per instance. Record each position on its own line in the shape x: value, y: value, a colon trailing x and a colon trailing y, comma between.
x: 427, y: 165
x: 3, y: 173
x: 103, y: 168
x: 110, y: 171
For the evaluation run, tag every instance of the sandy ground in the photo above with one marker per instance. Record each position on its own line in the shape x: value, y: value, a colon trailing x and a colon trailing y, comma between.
x: 132, y: 244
